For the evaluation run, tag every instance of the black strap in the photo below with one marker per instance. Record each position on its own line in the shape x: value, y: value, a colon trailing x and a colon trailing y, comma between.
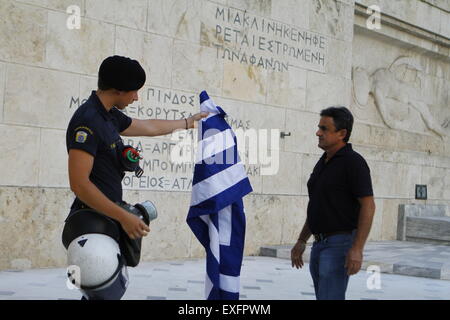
x: 84, y: 221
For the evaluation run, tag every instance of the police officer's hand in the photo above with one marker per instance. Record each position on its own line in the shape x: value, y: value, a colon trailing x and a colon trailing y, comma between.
x: 297, y: 253
x: 196, y: 117
x: 133, y: 226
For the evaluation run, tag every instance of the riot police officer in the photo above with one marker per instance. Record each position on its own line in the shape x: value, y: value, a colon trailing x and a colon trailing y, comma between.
x: 94, y: 146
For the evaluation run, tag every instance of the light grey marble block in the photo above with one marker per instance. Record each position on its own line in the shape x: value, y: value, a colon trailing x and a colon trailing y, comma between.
x: 426, y: 223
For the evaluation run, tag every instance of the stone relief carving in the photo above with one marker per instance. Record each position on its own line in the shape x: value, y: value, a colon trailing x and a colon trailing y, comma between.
x: 397, y: 93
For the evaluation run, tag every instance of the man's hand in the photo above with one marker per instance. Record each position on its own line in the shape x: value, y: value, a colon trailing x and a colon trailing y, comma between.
x: 353, y: 260
x: 354, y: 257
x: 133, y: 226
x: 297, y: 253
x: 196, y: 117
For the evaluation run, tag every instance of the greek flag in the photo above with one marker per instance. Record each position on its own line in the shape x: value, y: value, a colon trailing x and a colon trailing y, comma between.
x: 216, y: 215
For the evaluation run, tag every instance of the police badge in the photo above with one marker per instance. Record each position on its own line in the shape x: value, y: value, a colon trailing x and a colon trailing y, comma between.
x: 81, y: 137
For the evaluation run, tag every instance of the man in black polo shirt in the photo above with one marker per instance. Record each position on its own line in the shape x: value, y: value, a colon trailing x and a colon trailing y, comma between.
x: 340, y: 209
x: 93, y: 142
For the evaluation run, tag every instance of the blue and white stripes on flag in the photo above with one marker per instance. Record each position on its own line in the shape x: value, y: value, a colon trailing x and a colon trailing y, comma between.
x: 216, y: 215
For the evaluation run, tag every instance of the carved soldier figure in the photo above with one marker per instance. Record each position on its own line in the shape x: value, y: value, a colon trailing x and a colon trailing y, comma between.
x: 385, y: 87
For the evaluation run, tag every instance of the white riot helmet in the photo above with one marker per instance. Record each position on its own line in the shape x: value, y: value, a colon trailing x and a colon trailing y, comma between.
x: 98, y: 258
x: 99, y: 250
x: 96, y: 265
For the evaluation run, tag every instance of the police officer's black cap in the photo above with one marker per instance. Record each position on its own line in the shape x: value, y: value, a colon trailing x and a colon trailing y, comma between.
x: 121, y: 73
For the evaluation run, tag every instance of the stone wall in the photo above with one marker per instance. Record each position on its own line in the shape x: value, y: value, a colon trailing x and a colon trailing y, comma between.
x: 270, y: 64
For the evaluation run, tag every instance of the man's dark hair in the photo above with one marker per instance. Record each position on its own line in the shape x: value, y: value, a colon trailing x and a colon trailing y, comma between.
x: 342, y: 118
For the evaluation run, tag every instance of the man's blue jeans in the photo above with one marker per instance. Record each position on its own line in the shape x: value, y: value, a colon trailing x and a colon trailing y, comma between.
x: 327, y: 266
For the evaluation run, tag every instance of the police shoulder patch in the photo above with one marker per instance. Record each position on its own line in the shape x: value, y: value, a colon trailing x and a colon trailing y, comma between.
x: 81, y: 137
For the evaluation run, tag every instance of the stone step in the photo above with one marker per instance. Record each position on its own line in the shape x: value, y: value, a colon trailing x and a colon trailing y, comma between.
x: 433, y: 229
x: 394, y: 257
